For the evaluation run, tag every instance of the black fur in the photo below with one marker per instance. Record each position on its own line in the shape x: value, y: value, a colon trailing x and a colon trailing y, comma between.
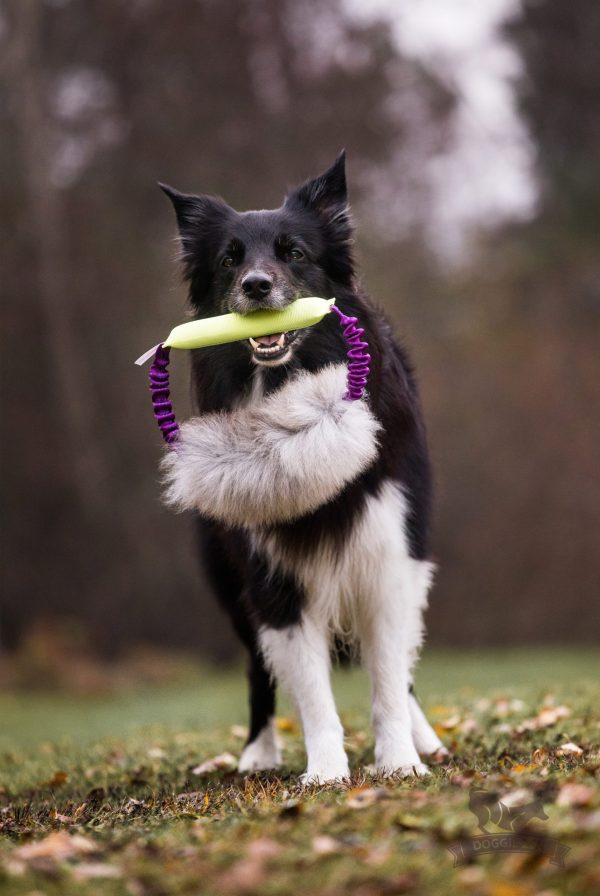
x: 220, y: 247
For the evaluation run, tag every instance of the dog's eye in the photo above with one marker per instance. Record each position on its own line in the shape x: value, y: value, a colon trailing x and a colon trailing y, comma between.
x: 296, y: 254
x: 227, y: 261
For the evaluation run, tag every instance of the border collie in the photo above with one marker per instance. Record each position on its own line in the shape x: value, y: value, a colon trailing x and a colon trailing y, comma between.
x: 313, y: 511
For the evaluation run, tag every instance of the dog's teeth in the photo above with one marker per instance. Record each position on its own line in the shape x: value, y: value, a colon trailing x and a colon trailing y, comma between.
x: 281, y: 340
x: 254, y: 343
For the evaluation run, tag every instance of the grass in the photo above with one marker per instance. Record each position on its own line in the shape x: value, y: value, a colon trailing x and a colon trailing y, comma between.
x: 99, y: 795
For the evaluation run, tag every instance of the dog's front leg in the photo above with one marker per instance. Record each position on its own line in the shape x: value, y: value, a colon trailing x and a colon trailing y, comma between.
x: 386, y: 655
x: 299, y: 657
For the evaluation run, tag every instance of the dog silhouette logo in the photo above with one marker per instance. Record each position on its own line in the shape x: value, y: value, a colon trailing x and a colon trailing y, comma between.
x: 488, y: 809
x: 510, y: 815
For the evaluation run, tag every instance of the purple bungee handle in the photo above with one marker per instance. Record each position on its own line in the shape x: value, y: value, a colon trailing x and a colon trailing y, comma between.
x: 161, y: 402
x: 356, y: 380
x: 358, y: 357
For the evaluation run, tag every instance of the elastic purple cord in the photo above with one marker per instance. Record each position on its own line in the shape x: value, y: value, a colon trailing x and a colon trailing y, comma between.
x: 358, y: 363
x: 159, y: 387
x: 358, y: 372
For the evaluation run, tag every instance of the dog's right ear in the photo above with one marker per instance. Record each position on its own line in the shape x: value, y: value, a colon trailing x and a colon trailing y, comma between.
x: 195, y: 214
x: 201, y: 221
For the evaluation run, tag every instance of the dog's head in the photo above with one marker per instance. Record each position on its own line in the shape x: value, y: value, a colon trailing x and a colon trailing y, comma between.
x: 245, y: 261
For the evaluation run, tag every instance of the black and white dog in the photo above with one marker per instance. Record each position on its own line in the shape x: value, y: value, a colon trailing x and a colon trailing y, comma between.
x: 313, y: 511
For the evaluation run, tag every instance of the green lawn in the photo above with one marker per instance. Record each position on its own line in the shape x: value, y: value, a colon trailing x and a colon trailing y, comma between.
x: 99, y: 795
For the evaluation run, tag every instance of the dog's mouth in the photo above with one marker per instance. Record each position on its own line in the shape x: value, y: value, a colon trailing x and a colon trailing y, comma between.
x: 274, y: 349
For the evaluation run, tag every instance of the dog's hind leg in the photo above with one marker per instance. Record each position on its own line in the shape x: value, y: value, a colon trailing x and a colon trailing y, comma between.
x: 217, y: 548
x: 426, y: 740
x: 389, y: 644
x: 385, y: 655
x: 261, y: 750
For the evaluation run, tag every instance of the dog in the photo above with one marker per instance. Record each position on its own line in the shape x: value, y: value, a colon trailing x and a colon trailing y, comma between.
x: 313, y: 511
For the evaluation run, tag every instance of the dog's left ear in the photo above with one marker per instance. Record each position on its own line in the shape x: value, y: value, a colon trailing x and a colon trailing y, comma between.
x: 326, y: 194
x: 327, y: 197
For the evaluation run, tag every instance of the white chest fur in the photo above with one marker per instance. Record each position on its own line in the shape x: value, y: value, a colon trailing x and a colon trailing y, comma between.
x: 372, y: 572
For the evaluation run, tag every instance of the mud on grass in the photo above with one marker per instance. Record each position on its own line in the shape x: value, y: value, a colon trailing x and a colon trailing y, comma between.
x: 130, y: 814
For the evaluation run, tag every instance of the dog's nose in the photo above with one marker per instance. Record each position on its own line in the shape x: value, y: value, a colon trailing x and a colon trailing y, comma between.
x: 257, y: 285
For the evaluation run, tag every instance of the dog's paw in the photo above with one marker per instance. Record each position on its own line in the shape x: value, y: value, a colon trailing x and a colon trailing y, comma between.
x: 261, y: 754
x: 395, y: 770
x: 325, y: 775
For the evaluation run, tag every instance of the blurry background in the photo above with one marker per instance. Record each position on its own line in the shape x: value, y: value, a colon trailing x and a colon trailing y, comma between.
x: 473, y: 137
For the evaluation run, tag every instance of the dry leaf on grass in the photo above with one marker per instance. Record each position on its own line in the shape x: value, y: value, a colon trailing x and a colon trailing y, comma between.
x: 156, y: 753
x: 361, y: 797
x: 569, y: 749
x: 239, y: 731
x: 324, y: 845
x: 222, y: 762
x: 251, y: 871
x: 520, y: 768
x: 59, y: 845
x: 57, y: 779
x: 575, y: 795
x: 449, y: 723
x: 285, y: 725
x: 541, y: 756
x: 95, y: 870
x: 468, y: 726
x: 44, y: 855
x: 547, y: 717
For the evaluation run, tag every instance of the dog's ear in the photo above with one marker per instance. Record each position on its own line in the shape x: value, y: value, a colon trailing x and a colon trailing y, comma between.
x: 326, y: 194
x: 327, y: 197
x: 196, y: 215
x: 201, y: 221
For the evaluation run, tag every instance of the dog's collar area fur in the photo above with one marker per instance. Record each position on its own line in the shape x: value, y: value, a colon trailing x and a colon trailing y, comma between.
x: 277, y: 460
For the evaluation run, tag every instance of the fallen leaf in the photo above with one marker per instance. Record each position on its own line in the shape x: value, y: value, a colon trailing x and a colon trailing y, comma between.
x: 463, y: 779
x: 57, y: 779
x: 520, y: 768
x: 506, y: 888
x: 239, y: 731
x: 288, y: 726
x: 569, y: 749
x: 548, y: 716
x: 248, y: 873
x: 63, y: 819
x: 468, y: 726
x: 520, y: 797
x: 361, y: 797
x: 590, y: 822
x: 503, y: 728
x: 264, y: 848
x: 575, y: 795
x: 501, y: 707
x: 541, y: 756
x: 324, y: 845
x: 450, y: 723
x: 222, y: 762
x: 156, y: 753
x: 377, y: 855
x: 58, y: 846
x: 95, y: 870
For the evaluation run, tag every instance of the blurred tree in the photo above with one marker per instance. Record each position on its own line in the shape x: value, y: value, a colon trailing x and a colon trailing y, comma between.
x: 559, y: 98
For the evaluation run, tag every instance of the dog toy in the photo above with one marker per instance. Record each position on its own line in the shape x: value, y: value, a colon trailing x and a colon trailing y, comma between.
x: 234, y: 327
